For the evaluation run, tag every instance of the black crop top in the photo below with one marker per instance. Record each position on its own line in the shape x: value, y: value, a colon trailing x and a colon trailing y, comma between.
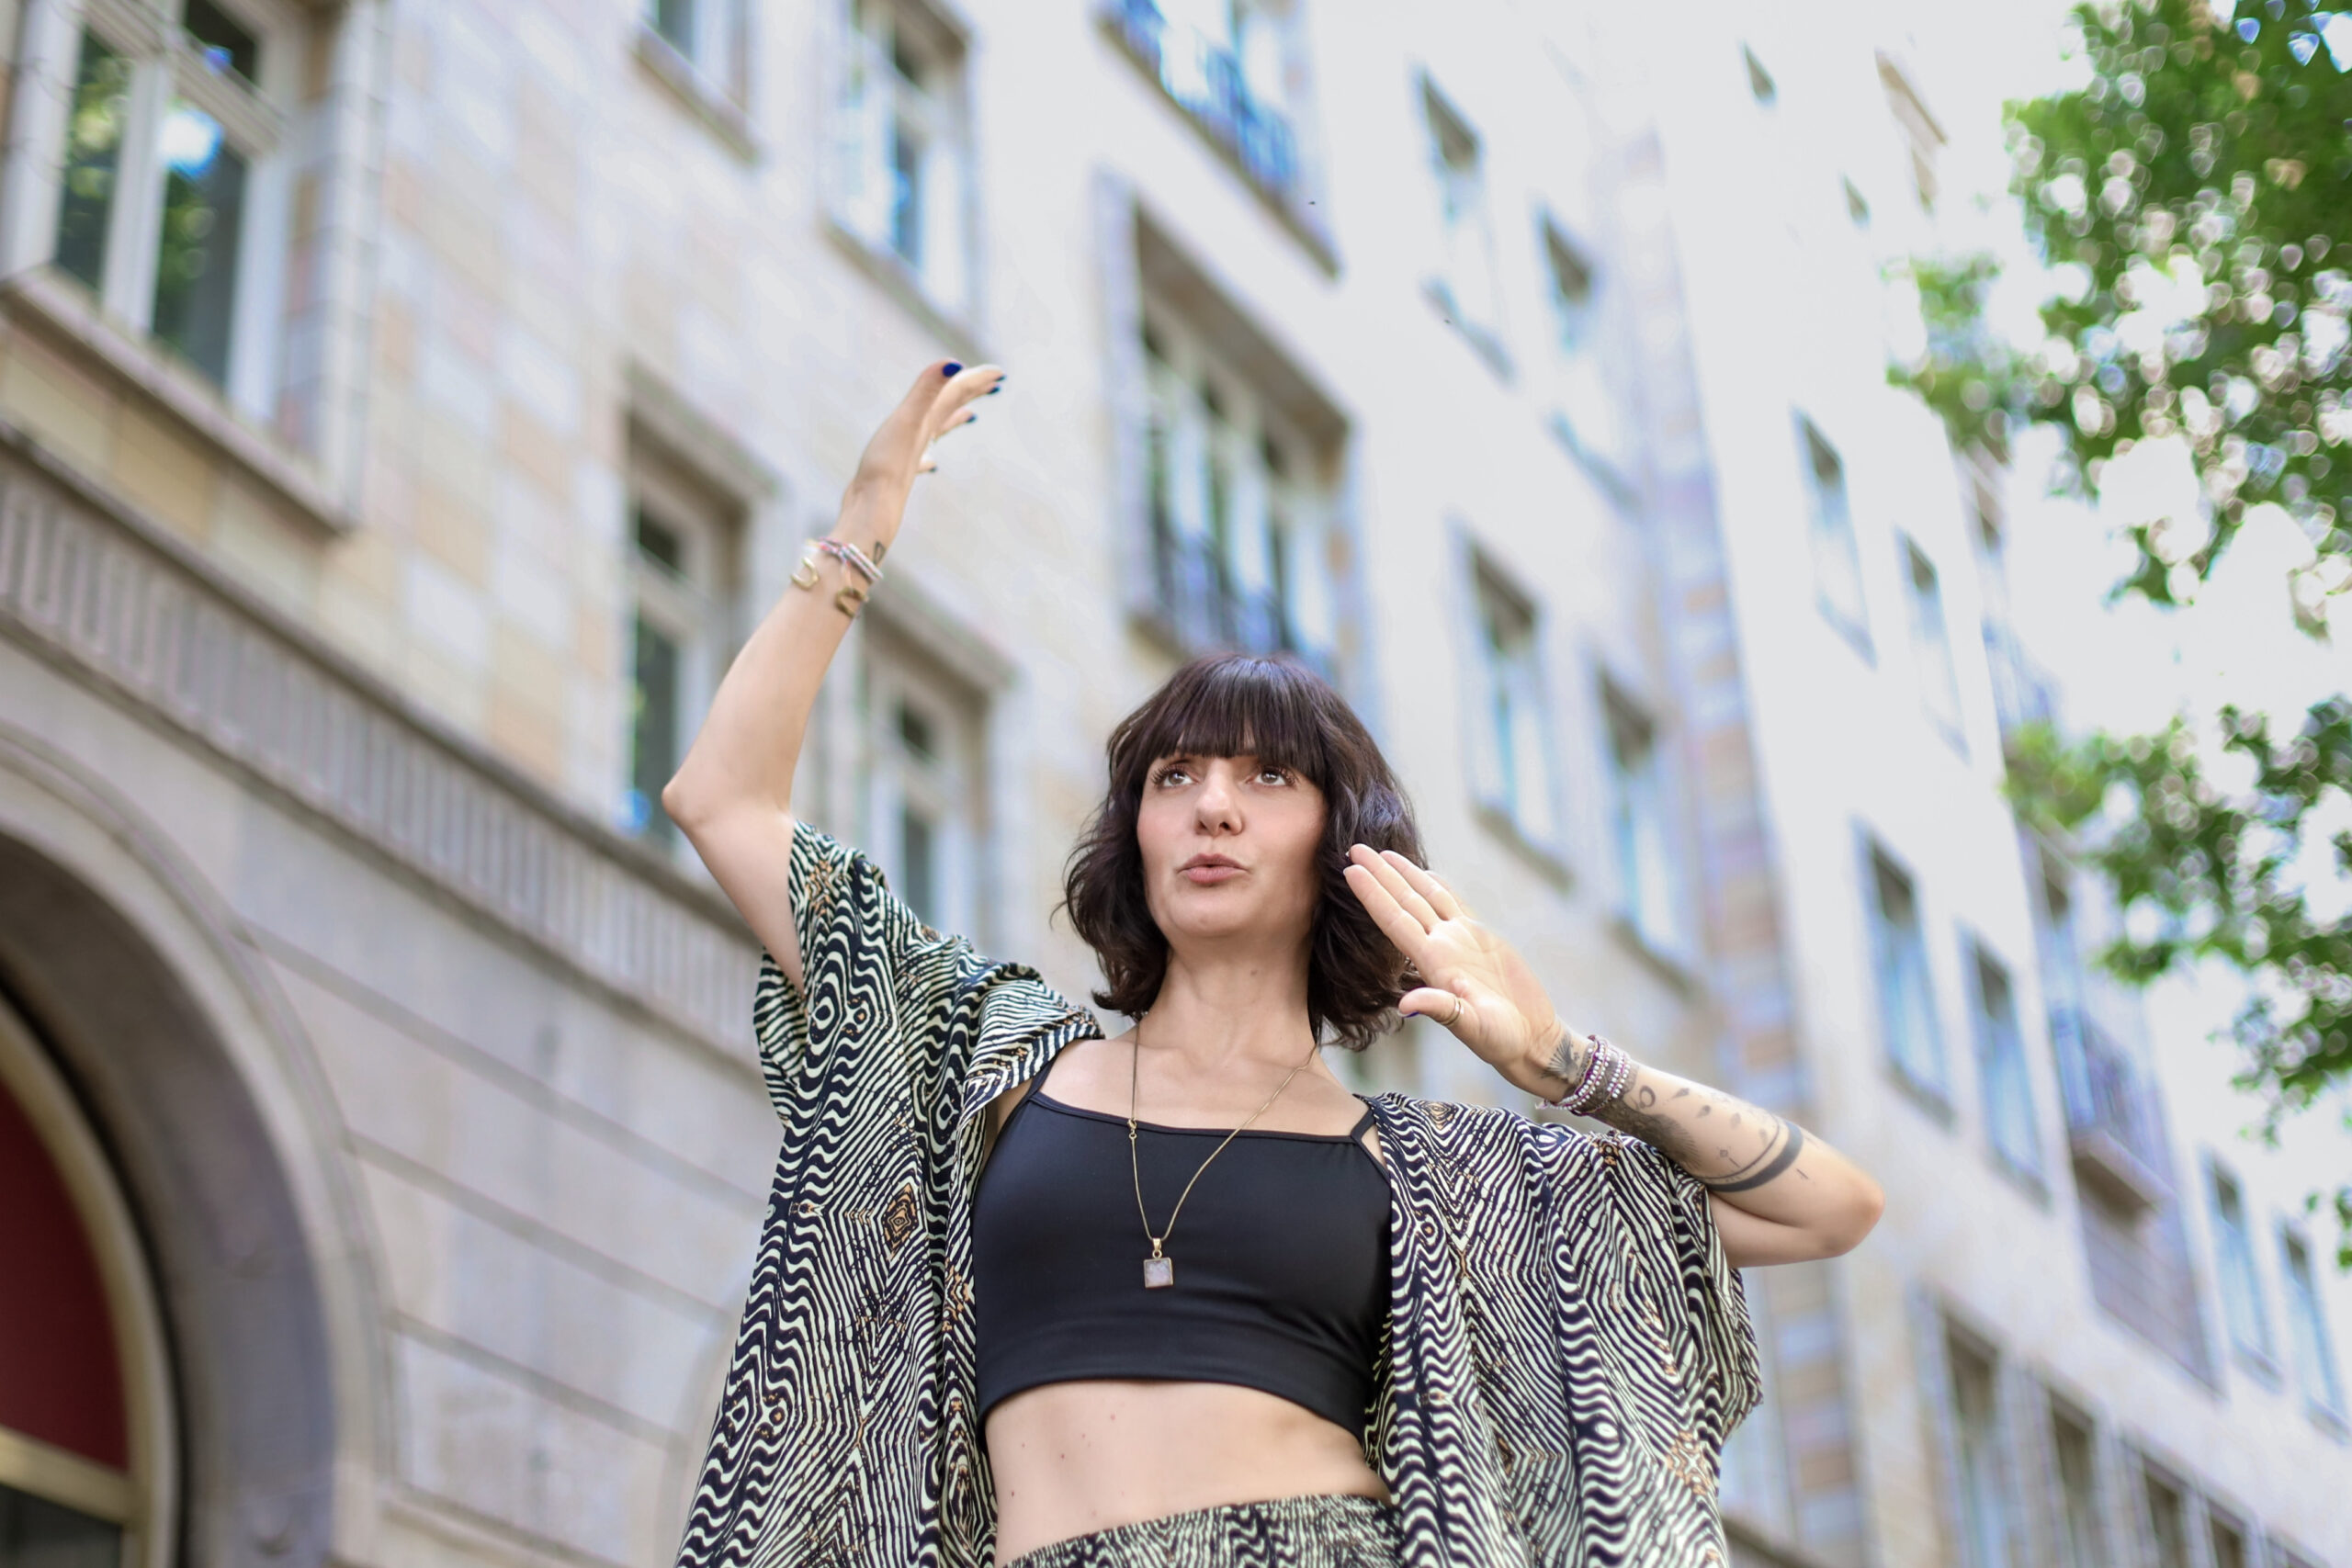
x: 1281, y: 1254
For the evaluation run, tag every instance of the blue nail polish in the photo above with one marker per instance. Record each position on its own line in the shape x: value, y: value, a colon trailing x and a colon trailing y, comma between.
x: 995, y: 389
x: 950, y: 369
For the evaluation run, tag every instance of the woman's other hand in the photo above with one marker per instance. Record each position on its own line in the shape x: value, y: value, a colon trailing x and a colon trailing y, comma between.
x: 940, y: 401
x: 1476, y: 984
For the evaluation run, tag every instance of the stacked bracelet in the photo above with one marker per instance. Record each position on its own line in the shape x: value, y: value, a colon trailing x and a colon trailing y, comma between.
x: 1607, y: 1070
x: 852, y: 595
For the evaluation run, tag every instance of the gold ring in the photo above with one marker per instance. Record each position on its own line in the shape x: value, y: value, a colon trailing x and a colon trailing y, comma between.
x: 1455, y: 1016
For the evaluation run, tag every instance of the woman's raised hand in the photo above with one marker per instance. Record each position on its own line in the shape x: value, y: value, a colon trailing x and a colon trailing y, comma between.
x: 1476, y: 984
x: 940, y: 401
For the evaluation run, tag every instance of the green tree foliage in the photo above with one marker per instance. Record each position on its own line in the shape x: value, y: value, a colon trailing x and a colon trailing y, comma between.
x: 2194, y: 199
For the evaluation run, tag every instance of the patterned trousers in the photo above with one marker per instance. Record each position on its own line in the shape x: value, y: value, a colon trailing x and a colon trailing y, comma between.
x: 1337, y: 1532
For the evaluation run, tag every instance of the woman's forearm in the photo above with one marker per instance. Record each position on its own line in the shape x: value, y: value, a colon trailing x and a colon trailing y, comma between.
x: 1751, y: 1160
x: 750, y: 743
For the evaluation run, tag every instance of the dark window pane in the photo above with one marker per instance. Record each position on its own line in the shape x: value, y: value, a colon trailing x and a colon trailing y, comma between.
x: 36, y: 1533
x: 675, y: 20
x: 93, y: 154
x: 919, y: 885
x: 660, y: 543
x: 915, y: 730
x: 653, y: 729
x: 906, y: 193
x: 196, y: 269
x: 226, y: 45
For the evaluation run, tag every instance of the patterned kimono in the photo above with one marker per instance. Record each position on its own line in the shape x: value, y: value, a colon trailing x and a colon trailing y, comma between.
x: 1567, y: 1348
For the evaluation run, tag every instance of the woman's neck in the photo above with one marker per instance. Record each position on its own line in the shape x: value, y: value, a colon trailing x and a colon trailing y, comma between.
x: 1221, y: 1011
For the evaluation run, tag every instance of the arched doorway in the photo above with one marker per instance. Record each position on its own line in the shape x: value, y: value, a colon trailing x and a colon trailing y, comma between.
x: 88, y: 1475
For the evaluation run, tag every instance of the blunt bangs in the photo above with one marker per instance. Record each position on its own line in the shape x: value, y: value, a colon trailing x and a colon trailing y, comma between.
x: 1281, y: 713
x: 1233, y: 706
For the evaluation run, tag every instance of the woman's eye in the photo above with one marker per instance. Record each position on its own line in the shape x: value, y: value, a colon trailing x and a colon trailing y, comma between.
x: 1273, y: 775
x: 1170, y: 777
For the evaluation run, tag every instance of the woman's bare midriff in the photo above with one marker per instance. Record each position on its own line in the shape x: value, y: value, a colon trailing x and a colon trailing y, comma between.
x: 1073, y: 1458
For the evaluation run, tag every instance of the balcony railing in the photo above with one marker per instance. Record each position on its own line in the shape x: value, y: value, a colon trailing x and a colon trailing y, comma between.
x: 1203, y: 77
x: 1203, y: 608
x: 2113, y: 1131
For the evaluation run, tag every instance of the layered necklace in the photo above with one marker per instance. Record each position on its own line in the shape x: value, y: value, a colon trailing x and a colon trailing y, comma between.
x: 1160, y: 1269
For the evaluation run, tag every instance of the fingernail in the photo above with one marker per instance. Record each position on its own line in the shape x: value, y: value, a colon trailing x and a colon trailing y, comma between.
x: 950, y: 369
x: 995, y: 389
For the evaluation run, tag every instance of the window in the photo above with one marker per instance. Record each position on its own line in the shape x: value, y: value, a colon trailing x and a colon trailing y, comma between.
x: 2233, y: 1268
x: 1985, y: 1486
x: 900, y: 139
x: 1930, y: 645
x: 1858, y: 207
x: 1759, y: 81
x: 2082, y: 1541
x: 2315, y: 1354
x: 1922, y: 136
x: 1465, y: 286
x: 1513, y: 768
x: 1587, y: 413
x: 1899, y: 956
x: 925, y: 808
x: 711, y: 36
x: 2229, y: 1541
x: 1639, y: 828
x: 1837, y: 558
x: 682, y: 573
x: 1233, y: 66
x: 168, y: 204
x: 2168, y: 1519
x: 1240, y: 512
x: 2009, y: 1093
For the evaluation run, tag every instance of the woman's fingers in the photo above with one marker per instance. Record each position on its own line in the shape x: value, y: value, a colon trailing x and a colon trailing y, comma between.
x: 1391, y: 879
x: 1444, y: 1008
x: 1440, y: 898
x: 1409, y: 935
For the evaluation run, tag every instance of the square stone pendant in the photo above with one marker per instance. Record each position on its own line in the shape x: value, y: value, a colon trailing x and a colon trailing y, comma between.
x: 1159, y: 1274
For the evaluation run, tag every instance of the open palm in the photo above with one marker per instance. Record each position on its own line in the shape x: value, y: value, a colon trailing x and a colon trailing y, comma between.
x: 1504, y: 1014
x: 940, y: 401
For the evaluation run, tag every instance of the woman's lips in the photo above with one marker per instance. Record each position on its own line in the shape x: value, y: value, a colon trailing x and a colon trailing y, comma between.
x: 1205, y: 871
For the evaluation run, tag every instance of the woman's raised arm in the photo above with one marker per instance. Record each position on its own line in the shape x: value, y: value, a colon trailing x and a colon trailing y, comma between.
x: 1779, y: 1195
x: 732, y: 796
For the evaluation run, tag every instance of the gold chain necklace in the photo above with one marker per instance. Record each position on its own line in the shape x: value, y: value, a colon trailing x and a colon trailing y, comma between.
x: 1160, y: 1269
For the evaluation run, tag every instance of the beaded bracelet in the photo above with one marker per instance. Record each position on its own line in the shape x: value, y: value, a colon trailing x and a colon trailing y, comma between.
x: 1606, y: 1072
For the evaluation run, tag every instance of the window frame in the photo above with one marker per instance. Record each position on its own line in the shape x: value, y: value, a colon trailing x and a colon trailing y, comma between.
x: 1623, y: 717
x: 1465, y: 228
x: 1583, y: 413
x: 255, y: 119
x: 693, y: 606
x: 1494, y: 674
x: 863, y: 124
x: 2304, y: 1301
x: 1203, y: 416
x: 1936, y: 1090
x: 896, y: 673
x: 1996, y: 1044
x: 2237, y: 1276
x: 1833, y: 540
x: 1931, y: 648
x: 2081, y: 1515
x: 1986, y: 1540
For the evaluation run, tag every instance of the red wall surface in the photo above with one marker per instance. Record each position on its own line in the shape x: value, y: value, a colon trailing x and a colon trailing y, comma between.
x: 59, y: 1377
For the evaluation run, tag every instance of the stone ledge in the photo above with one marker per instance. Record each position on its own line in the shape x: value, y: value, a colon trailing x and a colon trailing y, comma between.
x: 41, y: 302
x: 87, y: 584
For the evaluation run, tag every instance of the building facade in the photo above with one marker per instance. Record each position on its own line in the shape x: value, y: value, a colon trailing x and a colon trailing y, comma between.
x: 407, y: 405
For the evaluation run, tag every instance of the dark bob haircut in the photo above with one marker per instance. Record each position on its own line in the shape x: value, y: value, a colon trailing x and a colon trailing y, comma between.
x: 1283, y: 713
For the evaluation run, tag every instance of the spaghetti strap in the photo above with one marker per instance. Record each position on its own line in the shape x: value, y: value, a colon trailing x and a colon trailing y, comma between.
x: 1363, y: 1124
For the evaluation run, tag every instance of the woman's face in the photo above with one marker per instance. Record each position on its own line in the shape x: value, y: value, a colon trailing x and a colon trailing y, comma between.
x: 1229, y: 846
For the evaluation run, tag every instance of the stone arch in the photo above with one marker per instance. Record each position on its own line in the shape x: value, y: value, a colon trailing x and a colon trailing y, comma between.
x: 193, y: 1078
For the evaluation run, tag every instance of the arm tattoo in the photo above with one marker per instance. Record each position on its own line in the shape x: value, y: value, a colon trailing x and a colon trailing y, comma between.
x: 1727, y: 1163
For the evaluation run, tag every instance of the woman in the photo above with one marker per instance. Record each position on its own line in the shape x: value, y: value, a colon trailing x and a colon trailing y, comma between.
x: 1207, y: 1306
